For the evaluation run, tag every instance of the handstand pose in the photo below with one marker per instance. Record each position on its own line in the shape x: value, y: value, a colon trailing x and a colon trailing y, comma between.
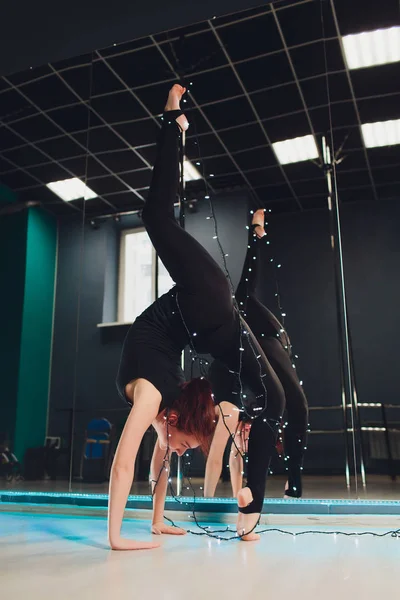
x: 199, y: 310
x: 275, y: 343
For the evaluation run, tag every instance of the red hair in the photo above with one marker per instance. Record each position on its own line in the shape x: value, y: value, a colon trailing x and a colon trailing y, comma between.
x: 196, y: 411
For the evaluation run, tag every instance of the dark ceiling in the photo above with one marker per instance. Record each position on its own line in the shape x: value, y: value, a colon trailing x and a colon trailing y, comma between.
x: 257, y: 77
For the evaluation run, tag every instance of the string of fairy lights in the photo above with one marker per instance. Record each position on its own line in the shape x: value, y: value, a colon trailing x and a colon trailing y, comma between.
x: 243, y: 331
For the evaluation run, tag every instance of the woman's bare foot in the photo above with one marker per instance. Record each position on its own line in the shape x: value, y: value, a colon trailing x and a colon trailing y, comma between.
x: 258, y: 218
x: 246, y: 522
x: 124, y: 544
x: 173, y: 103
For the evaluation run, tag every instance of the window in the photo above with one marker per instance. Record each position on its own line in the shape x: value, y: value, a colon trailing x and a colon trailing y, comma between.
x: 137, y: 275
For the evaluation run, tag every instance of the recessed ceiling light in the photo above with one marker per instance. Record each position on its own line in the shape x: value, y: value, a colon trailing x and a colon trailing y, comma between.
x: 71, y: 189
x: 296, y: 149
x: 190, y: 173
x: 371, y: 48
x: 382, y: 133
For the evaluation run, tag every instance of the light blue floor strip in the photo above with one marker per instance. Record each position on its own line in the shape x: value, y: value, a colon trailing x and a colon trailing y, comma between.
x: 211, y: 505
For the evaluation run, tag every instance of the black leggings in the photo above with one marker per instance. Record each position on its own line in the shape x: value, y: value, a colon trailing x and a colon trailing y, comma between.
x: 276, y: 345
x: 205, y: 302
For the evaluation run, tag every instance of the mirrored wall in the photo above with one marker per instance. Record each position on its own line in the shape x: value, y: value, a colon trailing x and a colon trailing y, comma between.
x: 277, y: 114
x: 242, y: 99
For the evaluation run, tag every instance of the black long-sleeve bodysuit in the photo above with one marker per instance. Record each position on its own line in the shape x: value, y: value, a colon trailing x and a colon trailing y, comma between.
x: 200, y: 306
x: 275, y: 343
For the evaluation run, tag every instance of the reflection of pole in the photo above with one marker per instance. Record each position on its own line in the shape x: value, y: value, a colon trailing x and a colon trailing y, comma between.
x: 348, y: 389
x: 182, y: 224
x: 182, y: 183
x: 392, y: 470
x: 359, y: 430
x: 179, y: 477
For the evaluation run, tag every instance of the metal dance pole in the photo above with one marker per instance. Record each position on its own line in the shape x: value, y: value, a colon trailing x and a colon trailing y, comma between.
x: 348, y: 387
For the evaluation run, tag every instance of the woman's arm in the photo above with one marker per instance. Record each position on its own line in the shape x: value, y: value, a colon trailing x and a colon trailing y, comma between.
x: 145, y: 408
x: 227, y: 422
x: 159, y: 474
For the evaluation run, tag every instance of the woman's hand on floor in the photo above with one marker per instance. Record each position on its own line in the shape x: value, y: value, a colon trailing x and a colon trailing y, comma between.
x: 123, y: 544
x: 160, y: 528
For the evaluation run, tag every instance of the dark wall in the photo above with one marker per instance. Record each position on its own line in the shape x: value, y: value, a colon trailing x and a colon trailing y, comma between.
x: 300, y: 243
x: 65, y: 326
x: 371, y: 245
x: 231, y: 218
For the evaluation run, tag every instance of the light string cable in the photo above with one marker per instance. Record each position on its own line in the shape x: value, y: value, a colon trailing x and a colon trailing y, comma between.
x: 220, y: 534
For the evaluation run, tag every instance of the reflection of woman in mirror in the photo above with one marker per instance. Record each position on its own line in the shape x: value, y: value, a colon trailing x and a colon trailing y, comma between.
x: 275, y: 343
x: 199, y: 310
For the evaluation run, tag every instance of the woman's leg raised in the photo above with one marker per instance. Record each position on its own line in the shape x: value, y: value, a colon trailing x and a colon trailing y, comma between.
x: 204, y: 292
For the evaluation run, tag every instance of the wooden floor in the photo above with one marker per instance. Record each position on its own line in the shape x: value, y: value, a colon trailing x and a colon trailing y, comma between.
x: 43, y: 557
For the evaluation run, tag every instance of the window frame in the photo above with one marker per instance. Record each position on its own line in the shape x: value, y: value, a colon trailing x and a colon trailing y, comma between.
x: 121, y: 271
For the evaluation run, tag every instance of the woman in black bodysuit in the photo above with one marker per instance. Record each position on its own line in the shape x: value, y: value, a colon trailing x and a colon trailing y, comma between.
x: 275, y: 343
x: 198, y: 310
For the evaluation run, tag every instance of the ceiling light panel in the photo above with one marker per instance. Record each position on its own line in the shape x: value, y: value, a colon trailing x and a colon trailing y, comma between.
x: 71, y: 189
x: 382, y: 133
x: 296, y: 149
x: 371, y: 48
